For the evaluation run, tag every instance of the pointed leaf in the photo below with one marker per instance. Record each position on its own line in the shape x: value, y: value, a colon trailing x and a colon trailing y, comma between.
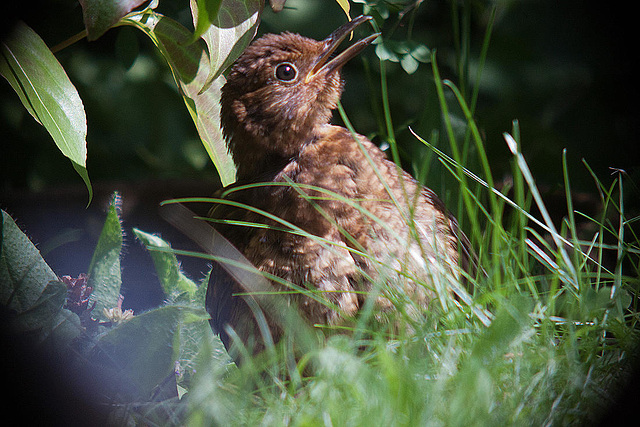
x: 195, y: 336
x: 344, y: 4
x: 141, y: 353
x: 229, y: 34
x: 23, y: 273
x: 47, y: 93
x: 206, y: 12
x: 190, y: 66
x: 173, y: 281
x: 29, y: 288
x: 104, y: 270
x: 100, y: 15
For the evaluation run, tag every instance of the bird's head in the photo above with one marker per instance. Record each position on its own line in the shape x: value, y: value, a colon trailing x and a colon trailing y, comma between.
x: 279, y: 91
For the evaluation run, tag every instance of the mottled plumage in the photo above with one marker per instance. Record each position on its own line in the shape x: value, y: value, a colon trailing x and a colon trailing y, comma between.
x: 373, y: 221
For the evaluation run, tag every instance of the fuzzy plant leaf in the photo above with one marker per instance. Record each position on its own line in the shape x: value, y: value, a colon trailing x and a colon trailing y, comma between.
x: 195, y: 326
x: 48, y: 304
x: 31, y: 290
x: 100, y: 15
x: 23, y: 273
x: 189, y: 64
x: 141, y: 353
x: 48, y: 320
x: 173, y: 281
x: 47, y: 93
x: 195, y: 339
x: 104, y: 269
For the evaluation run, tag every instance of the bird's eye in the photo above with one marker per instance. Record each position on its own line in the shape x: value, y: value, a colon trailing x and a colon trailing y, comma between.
x: 286, y: 72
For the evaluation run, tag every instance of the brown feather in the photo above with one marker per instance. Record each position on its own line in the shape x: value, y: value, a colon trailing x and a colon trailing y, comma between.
x: 371, y: 220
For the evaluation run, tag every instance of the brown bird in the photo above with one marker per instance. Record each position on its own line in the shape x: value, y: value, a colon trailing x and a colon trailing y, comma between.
x: 336, y: 216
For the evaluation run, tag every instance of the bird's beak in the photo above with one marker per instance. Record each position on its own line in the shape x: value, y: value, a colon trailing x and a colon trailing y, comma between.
x: 325, y: 66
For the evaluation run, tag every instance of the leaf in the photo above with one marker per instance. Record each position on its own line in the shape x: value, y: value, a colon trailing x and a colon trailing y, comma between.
x: 201, y: 293
x: 385, y: 52
x: 195, y: 336
x: 47, y: 93
x: 100, y: 15
x: 206, y: 12
x: 190, y: 66
x: 229, y: 34
x: 344, y: 4
x: 48, y: 304
x: 23, y: 273
x: 409, y: 64
x: 104, y: 270
x: 420, y: 52
x: 141, y: 353
x: 173, y: 281
x: 49, y: 320
x: 30, y: 289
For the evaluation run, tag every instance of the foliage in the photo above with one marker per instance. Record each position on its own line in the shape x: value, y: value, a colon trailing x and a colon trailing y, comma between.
x: 546, y: 334
x: 31, y: 291
x: 46, y: 92
x: 50, y: 97
x: 137, y: 357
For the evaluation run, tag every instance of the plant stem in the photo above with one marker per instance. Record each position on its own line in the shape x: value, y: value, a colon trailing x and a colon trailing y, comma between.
x: 68, y: 42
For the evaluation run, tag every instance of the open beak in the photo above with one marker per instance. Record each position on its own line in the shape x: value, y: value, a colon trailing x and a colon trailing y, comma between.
x: 324, y: 65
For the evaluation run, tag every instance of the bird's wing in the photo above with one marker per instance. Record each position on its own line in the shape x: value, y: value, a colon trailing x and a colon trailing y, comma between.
x: 219, y: 302
x: 232, y: 273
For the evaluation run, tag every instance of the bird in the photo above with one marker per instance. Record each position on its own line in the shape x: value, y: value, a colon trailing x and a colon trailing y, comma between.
x: 317, y: 208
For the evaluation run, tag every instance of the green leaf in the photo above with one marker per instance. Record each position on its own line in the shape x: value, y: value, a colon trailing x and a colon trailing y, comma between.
x: 201, y: 293
x: 48, y: 304
x: 385, y: 52
x: 23, y: 273
x: 190, y: 66
x: 100, y: 15
x: 409, y: 64
x: 205, y: 12
x: 195, y: 336
x: 173, y: 281
x: 104, y: 270
x: 420, y: 52
x: 47, y: 93
x: 30, y: 289
x: 344, y: 4
x: 229, y: 34
x: 142, y: 352
x: 49, y: 320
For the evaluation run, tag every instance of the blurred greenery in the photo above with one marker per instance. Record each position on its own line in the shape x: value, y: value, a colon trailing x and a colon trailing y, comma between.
x: 560, y: 68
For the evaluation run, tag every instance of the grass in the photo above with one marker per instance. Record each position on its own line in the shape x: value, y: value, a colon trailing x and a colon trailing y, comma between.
x: 559, y: 339
x: 546, y: 336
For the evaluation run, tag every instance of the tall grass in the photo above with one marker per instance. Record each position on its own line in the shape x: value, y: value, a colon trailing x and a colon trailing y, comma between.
x: 560, y: 337
x: 545, y: 332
